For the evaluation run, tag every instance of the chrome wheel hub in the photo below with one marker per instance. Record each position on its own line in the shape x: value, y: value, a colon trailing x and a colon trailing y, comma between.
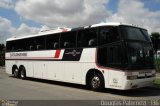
x: 22, y: 74
x: 95, y: 82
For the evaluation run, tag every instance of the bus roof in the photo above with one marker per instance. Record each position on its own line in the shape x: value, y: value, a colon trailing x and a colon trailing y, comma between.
x: 61, y: 29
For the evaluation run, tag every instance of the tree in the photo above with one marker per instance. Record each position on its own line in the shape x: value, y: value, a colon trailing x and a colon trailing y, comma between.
x: 155, y: 36
x: 2, y: 47
x: 156, y: 39
x: 2, y: 54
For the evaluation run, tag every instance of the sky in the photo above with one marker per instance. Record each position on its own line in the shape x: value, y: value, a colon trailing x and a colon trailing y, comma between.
x: 26, y: 17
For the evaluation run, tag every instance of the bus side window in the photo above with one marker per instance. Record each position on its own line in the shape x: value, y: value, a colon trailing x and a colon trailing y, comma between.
x: 10, y: 46
x: 56, y: 45
x: 29, y: 44
x: 40, y: 43
x: 81, y: 39
x: 110, y: 56
x: 114, y: 55
x: 92, y: 42
x: 68, y: 39
x: 52, y: 41
x: 31, y: 47
x: 87, y: 38
x: 108, y: 35
x: 19, y: 45
x: 103, y: 37
x: 39, y: 47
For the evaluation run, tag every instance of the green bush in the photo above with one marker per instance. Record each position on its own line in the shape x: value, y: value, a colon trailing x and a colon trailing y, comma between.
x: 2, y: 58
x: 2, y: 54
x: 157, y: 64
x: 157, y: 82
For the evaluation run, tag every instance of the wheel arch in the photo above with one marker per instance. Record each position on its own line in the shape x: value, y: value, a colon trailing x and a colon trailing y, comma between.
x: 22, y: 66
x: 13, y: 68
x: 90, y: 73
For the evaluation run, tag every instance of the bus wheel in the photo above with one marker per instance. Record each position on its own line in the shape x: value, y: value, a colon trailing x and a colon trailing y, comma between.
x: 97, y: 82
x: 15, y: 72
x: 22, y: 73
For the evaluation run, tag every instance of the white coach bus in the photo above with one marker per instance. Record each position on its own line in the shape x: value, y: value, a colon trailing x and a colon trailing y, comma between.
x: 108, y: 55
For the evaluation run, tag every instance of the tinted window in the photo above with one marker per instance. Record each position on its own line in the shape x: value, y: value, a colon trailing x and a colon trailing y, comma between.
x: 133, y: 33
x: 68, y: 40
x: 108, y: 35
x: 20, y: 45
x: 15, y: 46
x: 30, y: 44
x: 146, y: 35
x: 140, y: 55
x: 37, y: 43
x: 87, y: 38
x: 52, y: 41
x: 10, y: 46
x: 110, y: 56
x: 114, y: 55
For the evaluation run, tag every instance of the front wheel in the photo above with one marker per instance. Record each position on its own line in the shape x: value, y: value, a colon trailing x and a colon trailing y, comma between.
x: 22, y: 73
x: 97, y: 82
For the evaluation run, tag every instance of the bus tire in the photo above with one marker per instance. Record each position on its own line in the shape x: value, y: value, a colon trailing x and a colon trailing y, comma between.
x: 97, y: 82
x: 22, y: 73
x: 15, y: 72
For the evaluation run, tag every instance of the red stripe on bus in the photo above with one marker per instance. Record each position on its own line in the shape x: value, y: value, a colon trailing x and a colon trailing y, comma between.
x: 57, y: 54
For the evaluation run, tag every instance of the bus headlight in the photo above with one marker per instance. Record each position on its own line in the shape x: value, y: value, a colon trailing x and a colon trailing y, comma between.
x: 132, y: 77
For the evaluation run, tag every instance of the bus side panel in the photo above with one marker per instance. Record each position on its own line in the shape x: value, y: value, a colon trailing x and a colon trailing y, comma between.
x: 59, y: 70
x: 55, y: 70
x: 39, y: 68
x: 88, y: 55
x: 9, y: 65
x: 87, y: 62
x: 29, y: 69
x: 72, y: 71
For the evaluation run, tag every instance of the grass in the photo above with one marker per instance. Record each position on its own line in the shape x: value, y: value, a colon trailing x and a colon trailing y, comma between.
x: 157, y: 64
x: 157, y: 82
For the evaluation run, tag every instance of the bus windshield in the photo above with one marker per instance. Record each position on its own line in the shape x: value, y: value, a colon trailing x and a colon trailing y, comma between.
x: 134, y: 33
x: 133, y: 51
x: 139, y: 48
x: 140, y: 55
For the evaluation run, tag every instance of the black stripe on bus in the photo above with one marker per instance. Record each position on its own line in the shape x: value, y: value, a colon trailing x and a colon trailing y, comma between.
x: 72, y: 54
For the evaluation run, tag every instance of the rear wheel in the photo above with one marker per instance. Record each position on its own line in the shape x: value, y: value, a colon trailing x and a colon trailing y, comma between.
x: 97, y: 82
x: 22, y: 73
x: 15, y: 72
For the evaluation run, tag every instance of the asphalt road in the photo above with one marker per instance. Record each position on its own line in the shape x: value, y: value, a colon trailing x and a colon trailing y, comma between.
x: 35, y: 89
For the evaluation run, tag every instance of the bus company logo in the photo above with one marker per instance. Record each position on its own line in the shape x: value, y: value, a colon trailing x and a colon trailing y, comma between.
x: 18, y: 54
x: 73, y: 53
x: 115, y: 81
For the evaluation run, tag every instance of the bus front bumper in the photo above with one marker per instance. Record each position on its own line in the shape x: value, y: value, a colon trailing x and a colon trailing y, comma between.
x: 138, y: 83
